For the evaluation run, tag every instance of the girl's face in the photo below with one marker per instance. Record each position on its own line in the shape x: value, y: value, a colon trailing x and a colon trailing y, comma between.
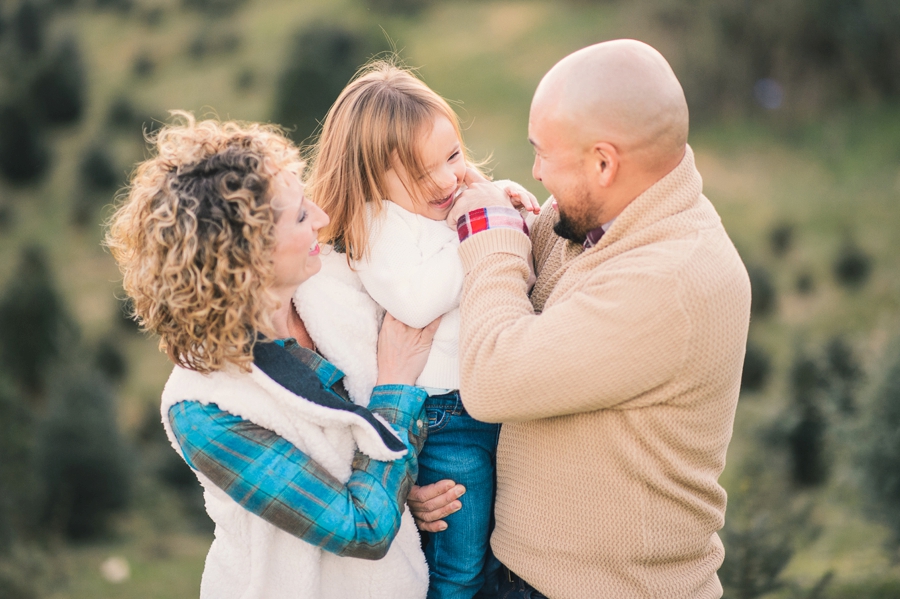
x: 445, y: 165
x: 296, y: 253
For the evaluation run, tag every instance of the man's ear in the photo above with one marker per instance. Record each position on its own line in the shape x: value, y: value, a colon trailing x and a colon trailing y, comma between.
x: 604, y: 162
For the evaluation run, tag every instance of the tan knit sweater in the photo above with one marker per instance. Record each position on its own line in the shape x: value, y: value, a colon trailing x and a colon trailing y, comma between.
x: 617, y: 389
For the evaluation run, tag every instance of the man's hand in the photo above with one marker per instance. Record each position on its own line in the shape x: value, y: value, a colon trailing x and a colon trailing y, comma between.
x: 431, y: 503
x: 479, y: 193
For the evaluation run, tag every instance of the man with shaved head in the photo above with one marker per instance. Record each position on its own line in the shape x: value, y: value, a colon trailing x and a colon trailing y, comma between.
x: 617, y: 377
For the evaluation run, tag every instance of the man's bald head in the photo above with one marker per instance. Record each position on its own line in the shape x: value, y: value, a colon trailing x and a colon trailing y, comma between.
x: 622, y: 92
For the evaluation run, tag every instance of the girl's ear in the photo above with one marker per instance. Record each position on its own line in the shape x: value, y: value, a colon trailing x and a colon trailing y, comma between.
x: 604, y: 162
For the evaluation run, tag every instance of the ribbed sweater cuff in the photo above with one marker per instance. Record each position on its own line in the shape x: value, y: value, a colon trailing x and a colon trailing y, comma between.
x: 492, y: 241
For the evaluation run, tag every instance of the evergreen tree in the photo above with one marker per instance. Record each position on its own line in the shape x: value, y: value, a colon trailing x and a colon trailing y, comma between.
x: 28, y: 28
x: 321, y: 61
x: 34, y: 323
x: 403, y: 7
x: 24, y: 156
x: 58, y: 90
x: 763, y: 296
x: 844, y: 374
x: 781, y: 238
x: 881, y: 453
x: 110, y: 360
x: 757, y: 365
x: 98, y: 173
x: 214, y: 7
x: 762, y: 530
x: 82, y: 457
x: 806, y: 440
x: 755, y: 557
x: 17, y: 488
x: 852, y: 265
x: 122, y: 115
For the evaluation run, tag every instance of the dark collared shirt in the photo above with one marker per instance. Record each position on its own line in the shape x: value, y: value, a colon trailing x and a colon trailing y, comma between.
x: 593, y: 237
x: 271, y: 478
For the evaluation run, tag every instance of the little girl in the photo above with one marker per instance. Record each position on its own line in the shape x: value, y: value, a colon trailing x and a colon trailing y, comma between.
x: 388, y: 167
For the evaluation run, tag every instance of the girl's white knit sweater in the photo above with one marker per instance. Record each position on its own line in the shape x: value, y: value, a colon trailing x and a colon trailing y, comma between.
x: 413, y: 271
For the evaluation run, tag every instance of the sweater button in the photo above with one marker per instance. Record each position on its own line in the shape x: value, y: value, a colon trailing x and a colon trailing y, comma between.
x: 419, y: 423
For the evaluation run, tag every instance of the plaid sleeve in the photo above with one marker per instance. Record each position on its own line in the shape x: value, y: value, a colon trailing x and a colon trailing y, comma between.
x: 492, y: 217
x: 271, y: 478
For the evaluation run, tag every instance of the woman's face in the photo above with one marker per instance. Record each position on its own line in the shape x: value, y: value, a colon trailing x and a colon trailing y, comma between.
x: 442, y: 156
x: 296, y: 253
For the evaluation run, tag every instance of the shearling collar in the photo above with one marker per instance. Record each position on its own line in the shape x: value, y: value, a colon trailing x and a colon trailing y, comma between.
x: 291, y: 373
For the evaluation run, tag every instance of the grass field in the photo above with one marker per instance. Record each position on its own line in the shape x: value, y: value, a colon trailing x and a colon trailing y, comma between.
x: 833, y: 179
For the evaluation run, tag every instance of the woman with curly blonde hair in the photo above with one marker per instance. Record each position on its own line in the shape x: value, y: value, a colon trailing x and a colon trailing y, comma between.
x: 305, y: 482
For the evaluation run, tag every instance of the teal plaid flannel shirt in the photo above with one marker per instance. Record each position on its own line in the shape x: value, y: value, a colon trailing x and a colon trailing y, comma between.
x: 271, y: 478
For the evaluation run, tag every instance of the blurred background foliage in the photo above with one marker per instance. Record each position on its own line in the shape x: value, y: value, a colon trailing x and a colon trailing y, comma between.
x: 795, y: 108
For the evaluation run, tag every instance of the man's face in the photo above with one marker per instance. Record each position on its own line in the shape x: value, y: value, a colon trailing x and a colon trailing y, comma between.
x: 561, y: 165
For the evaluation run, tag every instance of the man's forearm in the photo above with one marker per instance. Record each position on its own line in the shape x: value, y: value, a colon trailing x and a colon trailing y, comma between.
x: 518, y: 366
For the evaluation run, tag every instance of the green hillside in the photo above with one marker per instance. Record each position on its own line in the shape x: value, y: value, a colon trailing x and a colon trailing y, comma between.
x: 799, y: 188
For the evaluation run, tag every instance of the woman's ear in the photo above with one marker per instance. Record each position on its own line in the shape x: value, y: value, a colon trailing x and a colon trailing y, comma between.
x: 605, y: 163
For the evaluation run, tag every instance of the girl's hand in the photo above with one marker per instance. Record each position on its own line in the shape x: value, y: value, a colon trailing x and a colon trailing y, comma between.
x: 403, y: 351
x: 521, y: 198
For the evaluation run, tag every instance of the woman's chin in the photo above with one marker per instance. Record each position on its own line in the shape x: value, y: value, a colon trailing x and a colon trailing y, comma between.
x: 313, y: 266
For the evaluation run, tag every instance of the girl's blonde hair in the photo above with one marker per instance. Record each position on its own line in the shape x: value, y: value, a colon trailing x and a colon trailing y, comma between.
x: 384, y: 112
x: 194, y: 238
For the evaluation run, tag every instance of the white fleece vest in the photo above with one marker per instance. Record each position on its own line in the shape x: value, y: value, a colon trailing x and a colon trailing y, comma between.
x: 344, y: 321
x: 252, y: 559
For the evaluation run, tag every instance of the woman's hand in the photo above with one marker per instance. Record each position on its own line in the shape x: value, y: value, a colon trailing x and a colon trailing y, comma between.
x: 403, y: 351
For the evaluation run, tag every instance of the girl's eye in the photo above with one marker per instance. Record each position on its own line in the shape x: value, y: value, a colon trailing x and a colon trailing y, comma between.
x: 454, y: 156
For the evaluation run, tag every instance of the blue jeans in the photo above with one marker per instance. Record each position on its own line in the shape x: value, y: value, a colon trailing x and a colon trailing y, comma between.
x: 464, y: 450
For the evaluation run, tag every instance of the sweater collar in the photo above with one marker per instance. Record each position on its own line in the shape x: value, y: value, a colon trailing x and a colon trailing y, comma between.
x: 675, y: 193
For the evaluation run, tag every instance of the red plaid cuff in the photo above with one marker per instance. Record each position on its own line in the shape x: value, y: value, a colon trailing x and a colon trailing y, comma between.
x: 492, y: 217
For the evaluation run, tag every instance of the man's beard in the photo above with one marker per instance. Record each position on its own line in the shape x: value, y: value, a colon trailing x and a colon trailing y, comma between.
x: 567, y: 228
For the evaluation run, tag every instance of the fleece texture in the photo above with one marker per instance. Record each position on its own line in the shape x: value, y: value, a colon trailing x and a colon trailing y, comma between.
x: 343, y: 321
x: 252, y: 559
x: 413, y: 271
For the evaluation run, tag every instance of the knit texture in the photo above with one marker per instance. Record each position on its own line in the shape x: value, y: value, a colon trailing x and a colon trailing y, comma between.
x: 617, y: 388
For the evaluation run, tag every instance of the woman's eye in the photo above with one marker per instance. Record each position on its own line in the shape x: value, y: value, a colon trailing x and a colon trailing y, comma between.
x: 303, y: 214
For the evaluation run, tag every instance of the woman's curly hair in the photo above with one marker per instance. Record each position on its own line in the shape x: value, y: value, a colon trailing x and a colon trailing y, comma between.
x: 194, y: 236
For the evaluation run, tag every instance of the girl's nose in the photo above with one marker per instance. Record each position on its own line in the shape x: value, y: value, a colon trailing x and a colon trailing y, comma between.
x: 321, y: 217
x: 448, y: 178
